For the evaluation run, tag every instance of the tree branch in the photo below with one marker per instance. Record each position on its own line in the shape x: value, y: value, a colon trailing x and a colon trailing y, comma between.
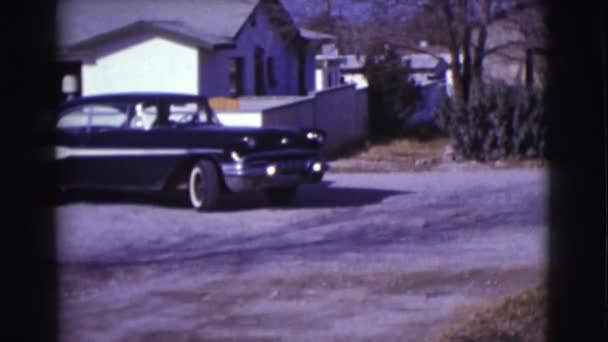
x: 497, y: 48
x: 418, y: 49
x: 516, y: 9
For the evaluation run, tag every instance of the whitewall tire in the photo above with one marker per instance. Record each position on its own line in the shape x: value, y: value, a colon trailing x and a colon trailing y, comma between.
x: 203, y: 185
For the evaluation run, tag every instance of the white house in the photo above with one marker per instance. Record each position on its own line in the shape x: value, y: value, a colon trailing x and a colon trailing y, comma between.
x: 216, y: 48
x: 327, y: 74
x: 427, y: 69
x: 352, y: 70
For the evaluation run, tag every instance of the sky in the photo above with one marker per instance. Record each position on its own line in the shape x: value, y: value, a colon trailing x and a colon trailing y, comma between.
x: 357, y: 10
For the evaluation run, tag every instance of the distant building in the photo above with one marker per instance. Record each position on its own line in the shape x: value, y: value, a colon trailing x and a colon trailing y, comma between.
x: 353, y: 70
x: 520, y: 62
x: 328, y: 73
x: 426, y: 69
x: 431, y: 72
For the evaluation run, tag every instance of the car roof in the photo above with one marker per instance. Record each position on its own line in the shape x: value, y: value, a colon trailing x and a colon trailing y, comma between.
x: 131, y: 97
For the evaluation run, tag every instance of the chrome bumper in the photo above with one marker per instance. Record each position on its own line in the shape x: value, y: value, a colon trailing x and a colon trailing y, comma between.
x: 239, y: 176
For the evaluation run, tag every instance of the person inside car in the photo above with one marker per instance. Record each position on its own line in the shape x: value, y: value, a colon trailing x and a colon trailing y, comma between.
x: 141, y: 119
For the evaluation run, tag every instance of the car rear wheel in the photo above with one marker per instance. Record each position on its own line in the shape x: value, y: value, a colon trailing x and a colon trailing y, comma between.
x: 281, y: 196
x: 203, y: 186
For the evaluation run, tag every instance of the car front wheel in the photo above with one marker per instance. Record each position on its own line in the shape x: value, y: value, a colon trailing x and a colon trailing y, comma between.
x: 281, y: 196
x: 203, y: 186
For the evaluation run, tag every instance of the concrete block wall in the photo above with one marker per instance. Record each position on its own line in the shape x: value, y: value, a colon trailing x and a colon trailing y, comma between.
x: 341, y: 112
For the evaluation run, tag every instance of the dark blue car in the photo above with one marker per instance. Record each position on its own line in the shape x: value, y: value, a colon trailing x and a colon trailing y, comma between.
x: 146, y: 141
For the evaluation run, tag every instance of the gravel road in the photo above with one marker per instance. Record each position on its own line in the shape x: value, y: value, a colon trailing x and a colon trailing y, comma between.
x: 361, y: 257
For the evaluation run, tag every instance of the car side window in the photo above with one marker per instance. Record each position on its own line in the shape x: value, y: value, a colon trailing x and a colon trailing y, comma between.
x: 108, y: 116
x: 93, y: 115
x: 76, y: 118
x: 183, y: 112
x: 191, y: 112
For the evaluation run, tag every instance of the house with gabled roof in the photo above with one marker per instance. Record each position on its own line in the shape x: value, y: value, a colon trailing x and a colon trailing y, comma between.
x: 218, y: 48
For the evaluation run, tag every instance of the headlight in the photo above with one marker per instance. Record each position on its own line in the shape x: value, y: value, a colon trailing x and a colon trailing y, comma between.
x: 271, y: 170
x: 316, y: 136
x: 249, y: 141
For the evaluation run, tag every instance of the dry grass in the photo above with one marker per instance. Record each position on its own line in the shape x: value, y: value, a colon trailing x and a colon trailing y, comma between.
x: 403, y: 154
x: 411, y: 154
x: 519, y: 317
x: 409, y: 147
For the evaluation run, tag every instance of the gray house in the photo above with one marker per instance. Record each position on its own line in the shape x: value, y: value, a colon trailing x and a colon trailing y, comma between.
x: 211, y: 47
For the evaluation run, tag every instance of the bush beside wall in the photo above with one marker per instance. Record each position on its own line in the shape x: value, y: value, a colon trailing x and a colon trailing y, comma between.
x: 392, y: 97
x: 498, y: 121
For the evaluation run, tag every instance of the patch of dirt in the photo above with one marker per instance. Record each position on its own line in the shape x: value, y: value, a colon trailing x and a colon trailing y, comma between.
x: 279, y: 307
x: 389, y: 283
x: 413, y: 155
x: 354, y: 295
x: 369, y: 280
x: 519, y: 317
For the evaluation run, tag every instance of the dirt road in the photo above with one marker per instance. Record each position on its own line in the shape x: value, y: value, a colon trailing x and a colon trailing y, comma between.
x: 362, y: 257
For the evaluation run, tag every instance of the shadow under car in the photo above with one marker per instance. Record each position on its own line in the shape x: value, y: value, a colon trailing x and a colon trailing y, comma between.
x: 323, y: 195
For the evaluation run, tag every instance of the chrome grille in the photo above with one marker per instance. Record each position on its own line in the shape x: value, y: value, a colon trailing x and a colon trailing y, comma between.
x: 291, y: 166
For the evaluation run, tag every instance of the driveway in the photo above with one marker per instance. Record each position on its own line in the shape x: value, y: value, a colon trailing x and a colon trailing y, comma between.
x: 375, y: 256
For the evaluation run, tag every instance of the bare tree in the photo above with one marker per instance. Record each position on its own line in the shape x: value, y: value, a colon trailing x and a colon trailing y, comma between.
x: 330, y: 18
x: 462, y: 26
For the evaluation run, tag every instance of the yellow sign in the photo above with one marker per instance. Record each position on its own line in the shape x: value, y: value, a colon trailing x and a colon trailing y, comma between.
x: 224, y: 103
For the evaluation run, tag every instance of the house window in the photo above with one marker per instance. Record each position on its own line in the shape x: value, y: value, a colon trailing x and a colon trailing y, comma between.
x: 329, y: 79
x: 235, y: 73
x: 259, y: 75
x: 272, y: 82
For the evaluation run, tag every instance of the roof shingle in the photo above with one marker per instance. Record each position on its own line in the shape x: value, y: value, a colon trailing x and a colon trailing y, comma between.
x: 80, y: 20
x: 174, y: 29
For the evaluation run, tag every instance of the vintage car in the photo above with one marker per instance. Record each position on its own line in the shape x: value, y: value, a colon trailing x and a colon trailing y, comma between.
x: 159, y: 141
